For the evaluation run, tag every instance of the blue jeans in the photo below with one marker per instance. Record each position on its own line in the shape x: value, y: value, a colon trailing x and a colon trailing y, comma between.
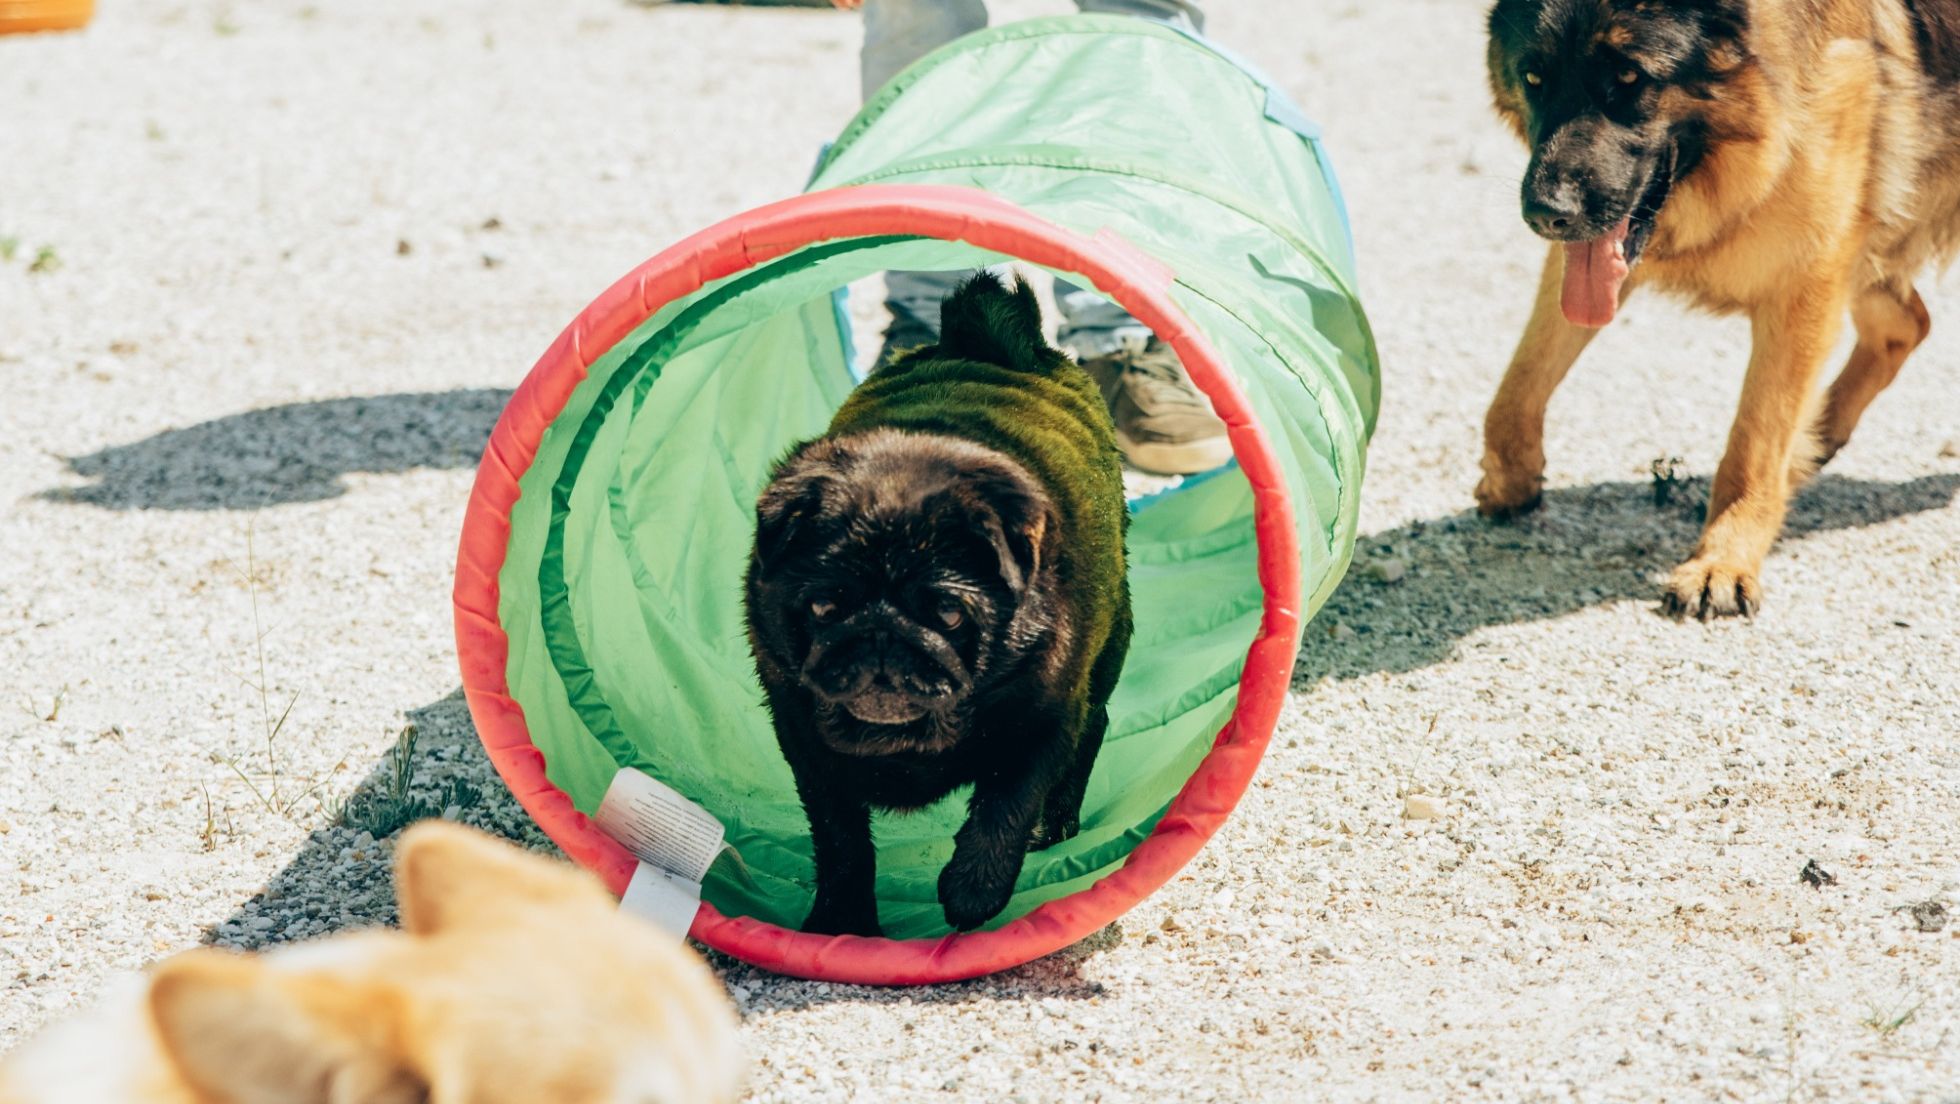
x: 898, y: 33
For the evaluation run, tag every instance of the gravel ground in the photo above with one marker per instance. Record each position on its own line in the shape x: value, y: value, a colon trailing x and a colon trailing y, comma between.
x: 295, y: 254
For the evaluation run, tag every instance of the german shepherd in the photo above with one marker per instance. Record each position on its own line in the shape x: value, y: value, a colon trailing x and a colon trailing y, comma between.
x: 1793, y: 160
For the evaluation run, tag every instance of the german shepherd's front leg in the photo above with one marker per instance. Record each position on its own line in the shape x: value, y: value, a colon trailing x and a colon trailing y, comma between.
x: 1514, y: 429
x: 1892, y: 322
x: 1793, y: 335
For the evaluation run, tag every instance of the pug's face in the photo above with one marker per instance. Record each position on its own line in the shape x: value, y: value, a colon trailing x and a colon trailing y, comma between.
x: 895, y: 580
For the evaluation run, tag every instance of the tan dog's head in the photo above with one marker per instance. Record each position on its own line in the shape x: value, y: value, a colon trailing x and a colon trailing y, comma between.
x: 1621, y: 102
x: 516, y: 981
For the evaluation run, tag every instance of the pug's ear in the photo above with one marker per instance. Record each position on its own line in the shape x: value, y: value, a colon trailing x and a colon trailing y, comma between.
x: 1026, y: 548
x: 1022, y: 524
x: 791, y: 501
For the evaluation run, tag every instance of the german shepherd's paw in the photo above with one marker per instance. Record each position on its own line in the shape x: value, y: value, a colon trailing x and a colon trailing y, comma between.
x: 1706, y: 588
x: 1506, y: 492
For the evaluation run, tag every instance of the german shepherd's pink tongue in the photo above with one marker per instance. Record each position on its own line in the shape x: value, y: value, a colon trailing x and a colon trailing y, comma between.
x: 1594, y: 271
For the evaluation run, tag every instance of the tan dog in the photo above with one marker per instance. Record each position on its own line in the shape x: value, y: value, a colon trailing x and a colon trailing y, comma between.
x: 517, y: 980
x: 1792, y: 160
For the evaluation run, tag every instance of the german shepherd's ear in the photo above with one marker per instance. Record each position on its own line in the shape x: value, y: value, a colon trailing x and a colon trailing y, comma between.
x: 987, y: 321
x: 239, y: 1030
x: 448, y: 876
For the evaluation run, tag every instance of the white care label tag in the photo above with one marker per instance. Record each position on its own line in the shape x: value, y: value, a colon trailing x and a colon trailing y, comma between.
x: 664, y: 829
x: 668, y: 900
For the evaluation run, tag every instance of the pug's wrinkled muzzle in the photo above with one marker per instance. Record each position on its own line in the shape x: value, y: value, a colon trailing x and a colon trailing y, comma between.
x: 884, y: 676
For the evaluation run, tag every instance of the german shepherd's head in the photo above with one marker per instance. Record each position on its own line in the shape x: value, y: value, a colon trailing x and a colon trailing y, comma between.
x: 1616, y: 99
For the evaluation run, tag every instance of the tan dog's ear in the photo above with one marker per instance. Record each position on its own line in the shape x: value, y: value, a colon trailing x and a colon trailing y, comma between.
x: 245, y: 1033
x: 447, y: 876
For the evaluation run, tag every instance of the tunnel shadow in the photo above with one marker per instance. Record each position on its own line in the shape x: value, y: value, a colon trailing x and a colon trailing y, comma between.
x: 342, y: 877
x: 298, y: 452
x: 1591, y: 545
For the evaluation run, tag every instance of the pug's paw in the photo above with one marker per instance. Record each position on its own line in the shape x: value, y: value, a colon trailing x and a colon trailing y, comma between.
x: 975, y: 886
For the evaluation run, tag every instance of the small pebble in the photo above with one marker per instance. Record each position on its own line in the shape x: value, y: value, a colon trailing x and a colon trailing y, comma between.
x: 1816, y: 877
x: 1424, y: 807
x: 1929, y: 916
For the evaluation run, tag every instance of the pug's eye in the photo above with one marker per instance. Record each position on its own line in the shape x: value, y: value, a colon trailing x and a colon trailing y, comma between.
x: 1533, y: 79
x: 1629, y: 76
x: 951, y: 615
x: 823, y: 609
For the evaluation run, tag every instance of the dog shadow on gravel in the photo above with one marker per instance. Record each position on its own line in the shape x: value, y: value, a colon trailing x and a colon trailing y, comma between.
x: 1414, y: 592
x: 298, y: 452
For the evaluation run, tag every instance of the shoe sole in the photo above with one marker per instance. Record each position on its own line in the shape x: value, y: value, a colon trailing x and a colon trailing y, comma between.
x: 1180, y: 458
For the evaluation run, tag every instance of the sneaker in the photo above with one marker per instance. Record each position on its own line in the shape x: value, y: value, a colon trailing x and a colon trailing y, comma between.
x: 1163, y: 422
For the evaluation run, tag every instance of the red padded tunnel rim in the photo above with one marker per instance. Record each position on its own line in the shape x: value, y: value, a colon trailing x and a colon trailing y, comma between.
x: 1112, y: 264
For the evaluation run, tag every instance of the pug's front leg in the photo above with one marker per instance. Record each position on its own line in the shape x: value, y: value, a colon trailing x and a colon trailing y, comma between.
x: 840, y: 829
x: 847, y: 866
x: 993, y: 843
x: 1061, y: 814
x: 987, y: 854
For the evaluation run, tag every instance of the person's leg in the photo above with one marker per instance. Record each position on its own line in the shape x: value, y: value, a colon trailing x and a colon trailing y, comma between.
x: 896, y: 34
x: 914, y: 298
x: 1163, y: 422
x: 900, y: 32
x: 1092, y: 325
x: 1187, y: 14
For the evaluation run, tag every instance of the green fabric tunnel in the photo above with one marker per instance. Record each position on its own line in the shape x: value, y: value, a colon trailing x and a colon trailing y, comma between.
x: 616, y: 581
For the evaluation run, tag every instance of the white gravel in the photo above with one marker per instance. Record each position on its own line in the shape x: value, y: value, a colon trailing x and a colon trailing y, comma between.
x: 236, y: 361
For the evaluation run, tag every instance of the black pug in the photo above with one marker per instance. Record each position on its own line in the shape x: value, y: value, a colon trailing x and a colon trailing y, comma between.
x: 938, y: 598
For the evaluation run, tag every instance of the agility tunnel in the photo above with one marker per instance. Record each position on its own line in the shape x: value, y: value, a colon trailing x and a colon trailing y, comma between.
x: 598, y: 597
